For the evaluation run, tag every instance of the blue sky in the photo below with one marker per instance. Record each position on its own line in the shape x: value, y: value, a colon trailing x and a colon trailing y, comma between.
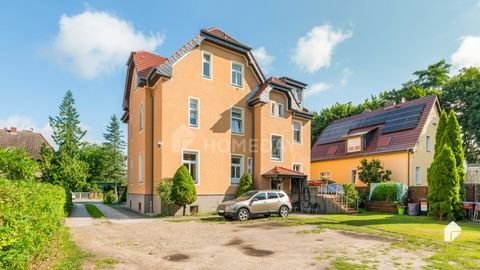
x: 347, y: 50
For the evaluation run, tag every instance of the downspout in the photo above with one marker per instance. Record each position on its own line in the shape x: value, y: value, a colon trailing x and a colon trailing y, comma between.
x: 408, y: 166
x: 152, y: 111
x: 255, y: 150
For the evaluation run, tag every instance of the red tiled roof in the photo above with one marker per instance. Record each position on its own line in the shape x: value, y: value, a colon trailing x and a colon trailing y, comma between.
x: 219, y: 33
x: 145, y: 61
x: 277, y: 170
x: 27, y: 140
x: 400, y: 140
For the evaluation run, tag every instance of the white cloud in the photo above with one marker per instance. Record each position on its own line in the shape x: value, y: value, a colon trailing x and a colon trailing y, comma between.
x: 317, y: 88
x: 25, y: 123
x: 346, y: 73
x: 264, y: 59
x: 95, y: 43
x: 468, y: 54
x: 314, y: 51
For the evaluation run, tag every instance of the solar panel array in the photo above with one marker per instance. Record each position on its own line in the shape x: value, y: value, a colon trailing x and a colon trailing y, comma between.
x: 393, y: 120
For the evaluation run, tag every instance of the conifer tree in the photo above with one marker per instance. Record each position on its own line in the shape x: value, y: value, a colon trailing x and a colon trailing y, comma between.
x: 443, y: 195
x: 455, y: 142
x: 115, y: 169
x: 183, y: 189
x: 442, y: 125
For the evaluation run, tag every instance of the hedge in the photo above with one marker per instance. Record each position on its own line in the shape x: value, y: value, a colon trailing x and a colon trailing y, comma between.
x: 31, y: 214
x: 385, y: 192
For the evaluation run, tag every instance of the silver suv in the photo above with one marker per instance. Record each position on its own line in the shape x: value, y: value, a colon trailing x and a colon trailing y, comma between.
x: 254, y: 203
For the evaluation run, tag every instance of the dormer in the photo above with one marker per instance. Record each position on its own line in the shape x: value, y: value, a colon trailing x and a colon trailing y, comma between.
x: 357, y: 140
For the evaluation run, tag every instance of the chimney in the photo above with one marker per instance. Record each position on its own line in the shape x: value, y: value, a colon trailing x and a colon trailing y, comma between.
x: 13, y: 130
x: 388, y: 105
x: 404, y: 99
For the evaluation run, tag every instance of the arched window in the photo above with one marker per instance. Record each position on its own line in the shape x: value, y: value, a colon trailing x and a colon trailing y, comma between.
x: 141, y: 118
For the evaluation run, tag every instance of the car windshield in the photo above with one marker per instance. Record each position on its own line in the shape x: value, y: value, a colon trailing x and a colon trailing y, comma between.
x: 246, y: 196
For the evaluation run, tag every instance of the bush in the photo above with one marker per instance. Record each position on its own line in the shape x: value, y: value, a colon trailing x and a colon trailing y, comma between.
x: 351, y: 192
x: 385, y: 192
x: 31, y: 214
x: 164, y: 190
x: 183, y: 190
x: 16, y: 164
x: 123, y: 195
x: 109, y: 197
x: 246, y: 184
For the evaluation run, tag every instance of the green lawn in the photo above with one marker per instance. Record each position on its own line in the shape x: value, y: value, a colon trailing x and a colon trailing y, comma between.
x: 93, y: 211
x: 413, y: 233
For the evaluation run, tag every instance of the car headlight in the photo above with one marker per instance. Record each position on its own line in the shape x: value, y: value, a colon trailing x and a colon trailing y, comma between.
x: 233, y: 207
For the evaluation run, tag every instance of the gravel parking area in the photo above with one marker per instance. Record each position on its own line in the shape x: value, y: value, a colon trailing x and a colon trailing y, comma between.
x: 153, y: 243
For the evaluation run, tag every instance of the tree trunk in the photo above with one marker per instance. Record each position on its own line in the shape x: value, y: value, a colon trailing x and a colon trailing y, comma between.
x: 116, y: 193
x: 184, y: 206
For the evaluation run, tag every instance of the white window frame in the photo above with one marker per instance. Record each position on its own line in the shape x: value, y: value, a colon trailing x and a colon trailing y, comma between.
x: 241, y: 74
x: 271, y: 148
x: 326, y: 175
x: 352, y: 179
x: 236, y: 181
x: 273, y: 108
x: 141, y: 118
x: 250, y: 166
x: 242, y: 127
x: 280, y: 113
x: 198, y: 112
x: 300, y: 135
x: 418, y: 175
x: 354, y: 149
x: 141, y: 169
x: 428, y: 143
x: 131, y: 172
x: 197, y: 162
x: 300, y: 166
x: 210, y: 65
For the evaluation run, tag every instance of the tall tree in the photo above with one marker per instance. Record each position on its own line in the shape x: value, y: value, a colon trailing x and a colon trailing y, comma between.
x: 443, y: 185
x: 67, y: 132
x: 64, y: 167
x: 462, y: 93
x: 434, y: 77
x: 94, y: 156
x: 455, y: 143
x: 115, y: 169
x: 442, y: 126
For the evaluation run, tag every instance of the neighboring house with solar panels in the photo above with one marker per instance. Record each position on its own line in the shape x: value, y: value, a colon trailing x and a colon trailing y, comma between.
x: 210, y: 108
x: 401, y: 136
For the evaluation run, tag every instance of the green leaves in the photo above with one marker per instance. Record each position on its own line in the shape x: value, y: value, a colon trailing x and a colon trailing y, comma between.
x: 16, y: 164
x: 183, y: 189
x: 372, y: 172
x: 246, y: 184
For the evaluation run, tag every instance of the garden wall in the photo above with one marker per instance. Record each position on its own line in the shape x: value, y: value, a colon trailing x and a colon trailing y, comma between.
x: 381, y: 206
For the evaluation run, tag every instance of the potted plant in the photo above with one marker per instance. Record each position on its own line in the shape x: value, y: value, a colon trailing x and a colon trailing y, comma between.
x: 400, y: 208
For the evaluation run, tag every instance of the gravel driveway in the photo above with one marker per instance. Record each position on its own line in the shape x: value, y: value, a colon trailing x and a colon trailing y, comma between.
x: 152, y: 243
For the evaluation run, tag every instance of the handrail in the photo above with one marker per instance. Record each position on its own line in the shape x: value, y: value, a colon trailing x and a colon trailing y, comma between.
x: 345, y: 201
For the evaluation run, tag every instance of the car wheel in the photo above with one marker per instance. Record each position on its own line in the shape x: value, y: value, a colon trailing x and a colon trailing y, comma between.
x: 283, y: 212
x: 243, y: 214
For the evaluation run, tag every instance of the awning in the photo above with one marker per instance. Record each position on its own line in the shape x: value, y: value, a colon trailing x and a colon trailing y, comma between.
x: 278, y: 171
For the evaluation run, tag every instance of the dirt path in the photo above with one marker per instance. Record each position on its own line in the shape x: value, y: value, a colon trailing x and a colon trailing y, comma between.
x: 158, y: 244
x: 79, y: 216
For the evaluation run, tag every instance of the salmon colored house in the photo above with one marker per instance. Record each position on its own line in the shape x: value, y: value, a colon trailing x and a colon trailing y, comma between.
x: 401, y: 136
x: 210, y: 108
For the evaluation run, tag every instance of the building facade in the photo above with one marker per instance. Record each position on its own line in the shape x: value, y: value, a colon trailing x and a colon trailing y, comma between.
x: 210, y: 108
x: 401, y: 136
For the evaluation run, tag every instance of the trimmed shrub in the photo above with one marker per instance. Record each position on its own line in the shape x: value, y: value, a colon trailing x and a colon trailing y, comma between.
x: 31, y: 214
x: 246, y: 184
x: 16, y: 164
x: 109, y: 197
x: 385, y: 192
x: 183, y: 189
x: 164, y: 190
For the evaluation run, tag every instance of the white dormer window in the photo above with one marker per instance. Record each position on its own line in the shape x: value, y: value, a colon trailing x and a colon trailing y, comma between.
x: 277, y: 109
x: 354, y: 144
x: 274, y: 108
x: 281, y: 110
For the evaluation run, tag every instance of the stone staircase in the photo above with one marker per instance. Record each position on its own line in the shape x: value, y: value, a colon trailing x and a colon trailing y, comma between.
x: 335, y: 204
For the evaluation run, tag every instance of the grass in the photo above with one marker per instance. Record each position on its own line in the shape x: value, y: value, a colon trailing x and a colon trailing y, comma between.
x: 93, y: 211
x: 105, y: 263
x: 410, y: 232
x: 65, y: 254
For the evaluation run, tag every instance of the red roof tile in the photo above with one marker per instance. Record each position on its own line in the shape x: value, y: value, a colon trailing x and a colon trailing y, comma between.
x: 219, y: 33
x: 277, y: 170
x: 145, y: 61
x: 400, y: 140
